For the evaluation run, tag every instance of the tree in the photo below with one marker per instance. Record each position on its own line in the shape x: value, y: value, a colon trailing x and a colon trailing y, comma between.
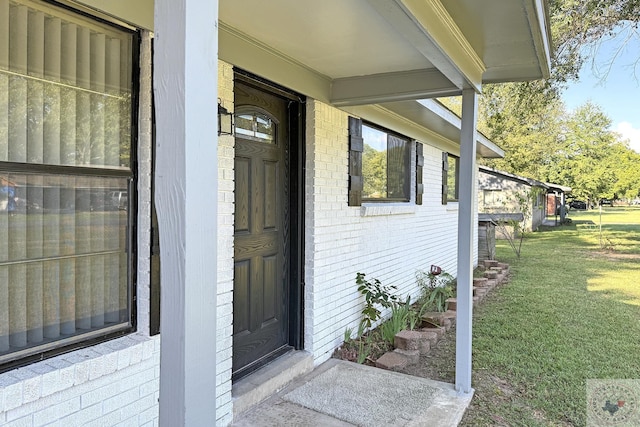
x: 374, y: 172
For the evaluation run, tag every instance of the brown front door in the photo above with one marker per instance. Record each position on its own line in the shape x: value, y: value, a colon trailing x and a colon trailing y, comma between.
x: 261, y: 273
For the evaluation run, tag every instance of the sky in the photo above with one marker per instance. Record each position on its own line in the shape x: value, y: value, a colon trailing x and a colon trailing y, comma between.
x: 618, y: 94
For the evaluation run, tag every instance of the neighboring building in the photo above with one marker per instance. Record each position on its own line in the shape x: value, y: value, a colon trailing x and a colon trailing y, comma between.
x: 557, y: 201
x: 335, y: 168
x: 505, y: 193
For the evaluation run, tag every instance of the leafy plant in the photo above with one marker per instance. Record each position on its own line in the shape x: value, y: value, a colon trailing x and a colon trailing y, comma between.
x: 398, y: 321
x: 361, y: 328
x: 364, y: 348
x: 435, y: 289
x: 347, y: 335
x: 438, y: 297
x: 375, y: 294
x: 415, y: 317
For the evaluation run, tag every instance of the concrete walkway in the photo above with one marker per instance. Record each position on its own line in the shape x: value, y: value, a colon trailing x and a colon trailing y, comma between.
x: 340, y: 393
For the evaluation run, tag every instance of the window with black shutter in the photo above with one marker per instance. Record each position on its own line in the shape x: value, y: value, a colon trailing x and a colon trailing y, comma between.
x: 379, y: 164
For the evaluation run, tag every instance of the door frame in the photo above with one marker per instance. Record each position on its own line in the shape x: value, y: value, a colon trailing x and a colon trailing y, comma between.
x: 296, y: 163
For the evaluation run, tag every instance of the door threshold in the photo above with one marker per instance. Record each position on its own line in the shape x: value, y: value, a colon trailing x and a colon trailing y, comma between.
x: 268, y: 380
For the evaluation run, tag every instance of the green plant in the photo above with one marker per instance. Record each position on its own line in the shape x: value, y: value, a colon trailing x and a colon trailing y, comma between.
x: 414, y: 317
x: 438, y: 297
x: 435, y: 289
x: 361, y: 328
x: 375, y: 294
x: 398, y: 321
x: 347, y: 335
x: 364, y: 348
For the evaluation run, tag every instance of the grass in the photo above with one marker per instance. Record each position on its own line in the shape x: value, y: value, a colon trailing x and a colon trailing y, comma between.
x: 571, y: 312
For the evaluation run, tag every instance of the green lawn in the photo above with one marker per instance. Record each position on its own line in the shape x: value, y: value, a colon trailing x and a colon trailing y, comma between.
x: 571, y: 312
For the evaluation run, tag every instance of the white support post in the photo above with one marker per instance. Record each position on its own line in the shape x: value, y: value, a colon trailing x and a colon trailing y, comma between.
x: 466, y: 228
x: 186, y: 196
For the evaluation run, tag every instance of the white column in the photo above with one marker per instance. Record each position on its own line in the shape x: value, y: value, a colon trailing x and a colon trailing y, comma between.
x: 466, y: 228
x: 185, y: 84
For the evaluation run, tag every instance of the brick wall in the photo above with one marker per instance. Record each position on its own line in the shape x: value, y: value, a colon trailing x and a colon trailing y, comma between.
x: 226, y: 155
x: 117, y: 382
x: 108, y: 384
x: 386, y: 241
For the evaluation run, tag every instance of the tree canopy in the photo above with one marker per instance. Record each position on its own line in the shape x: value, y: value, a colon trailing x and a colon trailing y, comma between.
x: 544, y: 141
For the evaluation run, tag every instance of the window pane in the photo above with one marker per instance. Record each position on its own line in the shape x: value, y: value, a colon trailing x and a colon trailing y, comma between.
x: 66, y: 89
x: 452, y: 178
x: 385, y: 164
x: 65, y: 99
x: 256, y: 126
x: 374, y: 163
x: 397, y: 164
x: 63, y: 261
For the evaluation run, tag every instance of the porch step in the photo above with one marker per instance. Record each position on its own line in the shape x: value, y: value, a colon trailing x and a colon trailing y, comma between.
x: 268, y: 380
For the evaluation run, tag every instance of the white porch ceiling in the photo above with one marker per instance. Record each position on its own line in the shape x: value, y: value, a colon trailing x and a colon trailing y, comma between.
x: 371, y: 51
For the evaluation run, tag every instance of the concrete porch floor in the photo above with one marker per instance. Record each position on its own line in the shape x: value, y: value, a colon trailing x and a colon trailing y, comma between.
x: 340, y: 393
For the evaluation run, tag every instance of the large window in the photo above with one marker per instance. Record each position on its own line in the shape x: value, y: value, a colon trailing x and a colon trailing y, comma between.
x: 65, y: 179
x: 385, y: 165
x: 379, y: 164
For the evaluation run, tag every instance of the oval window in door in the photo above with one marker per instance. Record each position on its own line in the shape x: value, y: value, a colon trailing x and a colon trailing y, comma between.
x: 256, y: 126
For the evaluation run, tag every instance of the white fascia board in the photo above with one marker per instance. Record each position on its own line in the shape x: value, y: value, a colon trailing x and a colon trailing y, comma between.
x: 433, y: 32
x: 541, y: 31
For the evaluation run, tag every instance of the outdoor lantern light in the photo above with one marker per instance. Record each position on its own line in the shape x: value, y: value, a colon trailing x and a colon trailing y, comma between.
x: 225, y: 121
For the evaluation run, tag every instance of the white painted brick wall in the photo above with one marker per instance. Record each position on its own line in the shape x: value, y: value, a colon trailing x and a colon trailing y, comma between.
x: 116, y: 383
x: 226, y: 159
x: 35, y: 396
x: 386, y: 241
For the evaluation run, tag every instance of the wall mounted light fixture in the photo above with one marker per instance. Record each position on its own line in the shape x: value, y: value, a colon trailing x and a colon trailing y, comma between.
x: 225, y: 120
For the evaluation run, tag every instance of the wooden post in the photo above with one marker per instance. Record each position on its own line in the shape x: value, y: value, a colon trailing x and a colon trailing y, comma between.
x: 466, y: 227
x: 185, y: 82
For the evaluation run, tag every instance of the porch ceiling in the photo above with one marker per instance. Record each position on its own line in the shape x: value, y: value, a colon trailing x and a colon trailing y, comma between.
x: 371, y: 51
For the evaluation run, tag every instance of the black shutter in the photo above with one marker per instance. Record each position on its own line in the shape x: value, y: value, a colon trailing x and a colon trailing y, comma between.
x: 445, y: 173
x: 356, y: 146
x: 419, y: 165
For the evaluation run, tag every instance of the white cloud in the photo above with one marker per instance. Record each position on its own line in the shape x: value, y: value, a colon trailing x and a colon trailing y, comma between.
x: 630, y: 133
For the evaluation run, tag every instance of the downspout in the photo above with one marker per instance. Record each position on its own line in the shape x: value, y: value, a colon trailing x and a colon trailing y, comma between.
x: 466, y: 229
